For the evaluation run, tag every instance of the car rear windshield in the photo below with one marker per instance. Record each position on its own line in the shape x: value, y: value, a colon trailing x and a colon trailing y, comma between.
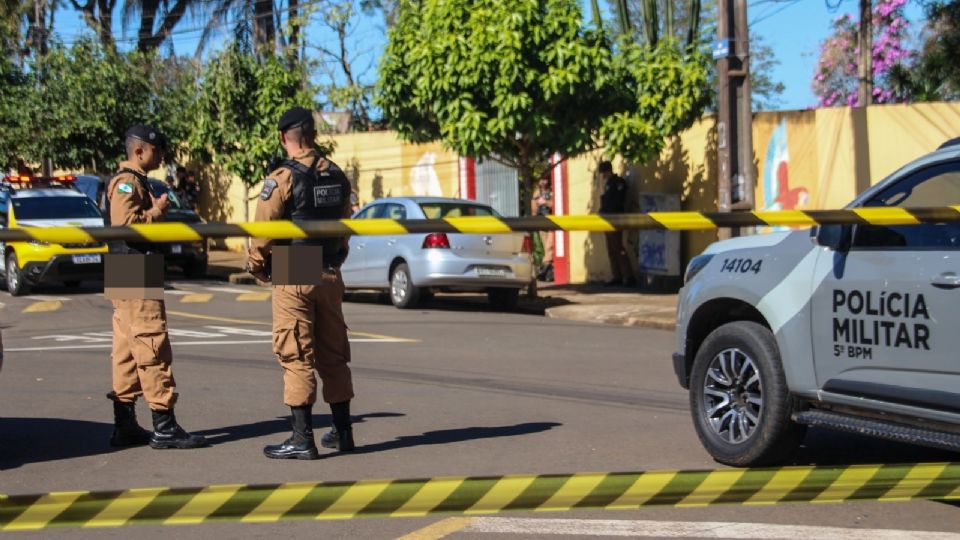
x: 438, y: 210
x: 55, y: 208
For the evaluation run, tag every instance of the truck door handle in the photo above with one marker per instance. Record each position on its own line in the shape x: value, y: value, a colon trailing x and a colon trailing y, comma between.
x: 946, y: 280
x: 391, y: 241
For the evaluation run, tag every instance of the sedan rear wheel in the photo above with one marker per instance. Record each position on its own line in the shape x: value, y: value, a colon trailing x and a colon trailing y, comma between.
x: 403, y: 293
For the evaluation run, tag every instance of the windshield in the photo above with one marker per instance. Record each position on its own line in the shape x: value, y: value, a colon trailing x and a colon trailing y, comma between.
x: 438, y: 210
x: 55, y: 208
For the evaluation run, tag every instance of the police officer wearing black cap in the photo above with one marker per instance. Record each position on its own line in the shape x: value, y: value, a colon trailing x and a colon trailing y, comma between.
x: 309, y: 332
x: 141, y: 357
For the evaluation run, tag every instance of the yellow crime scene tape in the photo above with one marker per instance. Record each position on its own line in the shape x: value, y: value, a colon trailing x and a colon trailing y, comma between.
x: 480, y: 495
x: 675, y: 221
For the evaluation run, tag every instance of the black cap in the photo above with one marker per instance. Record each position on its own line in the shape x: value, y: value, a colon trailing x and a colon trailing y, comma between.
x: 294, y: 117
x: 147, y: 134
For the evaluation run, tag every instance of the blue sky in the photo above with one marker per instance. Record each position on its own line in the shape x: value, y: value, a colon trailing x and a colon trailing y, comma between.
x: 794, y: 28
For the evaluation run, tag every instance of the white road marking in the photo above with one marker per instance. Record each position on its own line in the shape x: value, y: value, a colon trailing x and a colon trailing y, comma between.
x: 49, y: 298
x: 185, y: 344
x: 175, y: 292
x: 688, y: 529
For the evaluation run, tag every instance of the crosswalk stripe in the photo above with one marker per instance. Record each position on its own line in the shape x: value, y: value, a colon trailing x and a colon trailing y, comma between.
x: 43, y: 306
x: 254, y: 297
x: 195, y: 298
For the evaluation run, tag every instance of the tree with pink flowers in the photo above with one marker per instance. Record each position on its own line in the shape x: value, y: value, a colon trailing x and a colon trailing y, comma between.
x: 836, y: 80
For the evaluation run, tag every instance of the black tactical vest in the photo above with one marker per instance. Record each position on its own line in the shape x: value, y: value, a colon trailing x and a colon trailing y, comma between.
x: 318, y: 195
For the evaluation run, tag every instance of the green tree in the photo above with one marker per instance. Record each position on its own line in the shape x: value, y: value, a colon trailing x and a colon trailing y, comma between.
x: 98, y: 95
x: 239, y: 100
x: 520, y: 80
x: 935, y: 74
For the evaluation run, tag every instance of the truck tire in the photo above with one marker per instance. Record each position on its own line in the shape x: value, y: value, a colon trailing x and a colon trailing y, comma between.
x: 739, y: 399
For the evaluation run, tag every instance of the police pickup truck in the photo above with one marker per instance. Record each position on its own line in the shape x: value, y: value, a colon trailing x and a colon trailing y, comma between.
x: 849, y: 327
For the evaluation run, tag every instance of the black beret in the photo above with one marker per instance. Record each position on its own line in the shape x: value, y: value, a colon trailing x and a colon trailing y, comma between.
x: 147, y: 134
x: 295, y: 117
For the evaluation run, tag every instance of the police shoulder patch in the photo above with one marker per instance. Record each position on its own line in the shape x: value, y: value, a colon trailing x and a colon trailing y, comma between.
x: 268, y: 186
x: 125, y: 187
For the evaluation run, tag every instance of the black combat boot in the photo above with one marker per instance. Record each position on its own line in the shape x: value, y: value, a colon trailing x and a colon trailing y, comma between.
x: 300, y: 445
x: 126, y: 430
x: 167, y: 433
x: 341, y: 436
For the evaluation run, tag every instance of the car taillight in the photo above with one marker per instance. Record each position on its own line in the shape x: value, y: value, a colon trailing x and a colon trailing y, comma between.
x: 436, y: 240
x: 527, y: 244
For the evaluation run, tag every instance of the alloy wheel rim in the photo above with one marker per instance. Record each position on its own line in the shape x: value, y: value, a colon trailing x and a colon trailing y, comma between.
x: 733, y: 395
x: 399, y: 287
x: 11, y: 273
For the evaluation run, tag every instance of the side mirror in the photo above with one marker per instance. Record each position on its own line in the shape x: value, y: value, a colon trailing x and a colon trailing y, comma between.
x: 835, y: 237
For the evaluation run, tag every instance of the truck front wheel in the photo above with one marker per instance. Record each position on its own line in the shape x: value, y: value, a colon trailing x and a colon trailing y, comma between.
x: 739, y: 399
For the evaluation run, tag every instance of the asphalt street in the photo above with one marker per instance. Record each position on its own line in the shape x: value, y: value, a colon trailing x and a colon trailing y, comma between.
x: 451, y: 389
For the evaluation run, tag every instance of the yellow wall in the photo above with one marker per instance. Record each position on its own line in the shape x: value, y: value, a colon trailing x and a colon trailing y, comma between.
x: 831, y: 155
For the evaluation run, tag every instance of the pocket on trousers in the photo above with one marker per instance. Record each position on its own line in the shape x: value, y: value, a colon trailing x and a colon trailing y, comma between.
x: 286, y: 344
x: 149, y: 340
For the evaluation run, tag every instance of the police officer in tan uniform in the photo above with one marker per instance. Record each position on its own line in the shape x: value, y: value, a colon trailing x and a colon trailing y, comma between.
x: 141, y: 356
x: 309, y: 332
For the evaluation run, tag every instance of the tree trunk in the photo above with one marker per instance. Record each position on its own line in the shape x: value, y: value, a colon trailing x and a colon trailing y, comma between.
x: 865, y: 39
x: 693, y: 29
x: 293, y: 47
x: 263, y: 28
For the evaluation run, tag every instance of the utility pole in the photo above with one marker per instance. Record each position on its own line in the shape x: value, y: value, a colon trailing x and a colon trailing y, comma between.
x: 865, y: 43
x: 40, y: 49
x: 736, y: 178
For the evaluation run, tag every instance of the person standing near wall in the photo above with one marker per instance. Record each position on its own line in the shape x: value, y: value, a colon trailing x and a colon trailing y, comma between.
x: 613, y: 200
x: 542, y: 205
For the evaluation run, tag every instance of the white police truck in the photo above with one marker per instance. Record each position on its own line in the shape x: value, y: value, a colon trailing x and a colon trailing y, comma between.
x: 849, y: 327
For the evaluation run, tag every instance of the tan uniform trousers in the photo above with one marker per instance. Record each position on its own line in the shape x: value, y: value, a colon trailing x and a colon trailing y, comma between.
x: 141, y: 356
x: 309, y: 333
x: 546, y: 239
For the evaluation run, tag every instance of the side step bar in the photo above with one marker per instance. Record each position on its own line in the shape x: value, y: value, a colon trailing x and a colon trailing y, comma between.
x: 879, y: 428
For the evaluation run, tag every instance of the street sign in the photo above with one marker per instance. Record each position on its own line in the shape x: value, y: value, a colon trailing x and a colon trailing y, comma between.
x: 720, y: 49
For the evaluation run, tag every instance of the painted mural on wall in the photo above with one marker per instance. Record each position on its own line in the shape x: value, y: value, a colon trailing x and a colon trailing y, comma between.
x: 777, y: 193
x: 424, y: 180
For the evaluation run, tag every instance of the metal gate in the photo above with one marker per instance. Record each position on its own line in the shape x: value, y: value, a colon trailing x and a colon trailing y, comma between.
x: 497, y: 186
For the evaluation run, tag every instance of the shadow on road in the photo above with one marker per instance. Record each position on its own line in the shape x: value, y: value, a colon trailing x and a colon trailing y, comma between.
x: 827, y: 447
x: 278, y: 425
x: 35, y: 440
x: 448, y: 436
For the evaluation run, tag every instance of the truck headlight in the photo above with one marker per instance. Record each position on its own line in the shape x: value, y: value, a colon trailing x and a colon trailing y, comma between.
x: 39, y: 243
x: 697, y: 264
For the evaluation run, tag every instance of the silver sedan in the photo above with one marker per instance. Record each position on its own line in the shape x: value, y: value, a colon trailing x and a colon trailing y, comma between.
x: 411, y: 266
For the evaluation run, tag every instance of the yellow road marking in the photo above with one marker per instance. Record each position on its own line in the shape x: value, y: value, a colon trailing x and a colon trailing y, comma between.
x: 44, y: 306
x: 253, y: 297
x: 194, y: 298
x: 438, y: 530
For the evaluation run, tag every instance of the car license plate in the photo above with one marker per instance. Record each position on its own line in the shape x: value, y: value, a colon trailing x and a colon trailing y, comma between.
x: 176, y: 248
x: 491, y: 272
x: 86, y: 259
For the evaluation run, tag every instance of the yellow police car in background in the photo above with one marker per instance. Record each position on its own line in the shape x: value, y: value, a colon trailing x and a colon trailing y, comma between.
x: 47, y: 202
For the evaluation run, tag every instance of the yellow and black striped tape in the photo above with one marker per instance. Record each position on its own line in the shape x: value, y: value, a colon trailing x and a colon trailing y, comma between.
x: 479, y: 495
x: 675, y: 221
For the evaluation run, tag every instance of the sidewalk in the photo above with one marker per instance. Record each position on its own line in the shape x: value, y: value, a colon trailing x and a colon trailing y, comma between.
x: 586, y: 302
